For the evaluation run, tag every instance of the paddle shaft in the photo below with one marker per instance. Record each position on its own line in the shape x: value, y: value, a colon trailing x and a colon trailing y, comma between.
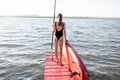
x: 53, y: 23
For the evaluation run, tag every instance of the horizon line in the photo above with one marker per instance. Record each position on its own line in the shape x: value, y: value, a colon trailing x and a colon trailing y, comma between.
x: 84, y: 17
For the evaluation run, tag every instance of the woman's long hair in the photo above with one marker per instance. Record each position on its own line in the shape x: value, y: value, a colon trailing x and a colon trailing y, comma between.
x: 60, y: 19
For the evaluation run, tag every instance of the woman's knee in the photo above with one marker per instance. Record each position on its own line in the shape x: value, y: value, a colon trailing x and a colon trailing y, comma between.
x: 55, y: 40
x: 61, y: 42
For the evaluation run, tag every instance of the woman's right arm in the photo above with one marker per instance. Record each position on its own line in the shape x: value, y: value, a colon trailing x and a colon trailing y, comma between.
x: 53, y: 27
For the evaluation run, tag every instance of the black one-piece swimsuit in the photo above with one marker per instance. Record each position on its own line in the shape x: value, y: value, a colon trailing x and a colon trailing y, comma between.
x: 59, y: 34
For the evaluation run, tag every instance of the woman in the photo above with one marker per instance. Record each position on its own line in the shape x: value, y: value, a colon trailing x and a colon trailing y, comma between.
x: 60, y: 30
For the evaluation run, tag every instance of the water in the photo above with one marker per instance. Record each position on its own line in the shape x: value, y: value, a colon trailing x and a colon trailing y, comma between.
x: 25, y: 41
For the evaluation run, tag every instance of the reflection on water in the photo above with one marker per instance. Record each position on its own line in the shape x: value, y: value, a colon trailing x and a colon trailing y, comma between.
x: 25, y: 41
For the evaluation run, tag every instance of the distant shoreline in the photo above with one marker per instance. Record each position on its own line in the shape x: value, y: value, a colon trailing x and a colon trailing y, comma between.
x: 64, y: 17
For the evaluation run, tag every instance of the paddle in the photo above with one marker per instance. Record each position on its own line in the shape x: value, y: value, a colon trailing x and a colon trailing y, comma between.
x: 53, y: 31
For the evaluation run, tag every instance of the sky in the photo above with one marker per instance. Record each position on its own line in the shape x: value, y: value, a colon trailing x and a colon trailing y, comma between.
x: 79, y: 8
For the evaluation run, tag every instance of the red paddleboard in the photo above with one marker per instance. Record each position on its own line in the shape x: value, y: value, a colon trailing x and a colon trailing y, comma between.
x: 73, y: 68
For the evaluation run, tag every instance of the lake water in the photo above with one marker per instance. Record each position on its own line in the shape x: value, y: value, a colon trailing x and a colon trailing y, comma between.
x: 25, y: 41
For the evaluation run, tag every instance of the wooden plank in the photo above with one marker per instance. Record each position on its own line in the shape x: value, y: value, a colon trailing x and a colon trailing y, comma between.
x: 58, y: 78
x: 54, y: 71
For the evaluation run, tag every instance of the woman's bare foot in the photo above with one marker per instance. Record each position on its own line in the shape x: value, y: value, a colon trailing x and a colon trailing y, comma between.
x: 61, y: 63
x: 57, y: 61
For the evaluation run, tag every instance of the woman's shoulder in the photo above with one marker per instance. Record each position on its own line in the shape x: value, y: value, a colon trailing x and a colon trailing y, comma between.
x: 63, y: 23
x: 56, y: 23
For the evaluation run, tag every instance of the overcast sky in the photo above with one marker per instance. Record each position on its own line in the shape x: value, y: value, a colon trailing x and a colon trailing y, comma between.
x: 81, y: 8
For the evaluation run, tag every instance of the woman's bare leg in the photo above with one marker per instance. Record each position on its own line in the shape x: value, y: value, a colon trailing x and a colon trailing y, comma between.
x: 61, y: 44
x: 56, y: 49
